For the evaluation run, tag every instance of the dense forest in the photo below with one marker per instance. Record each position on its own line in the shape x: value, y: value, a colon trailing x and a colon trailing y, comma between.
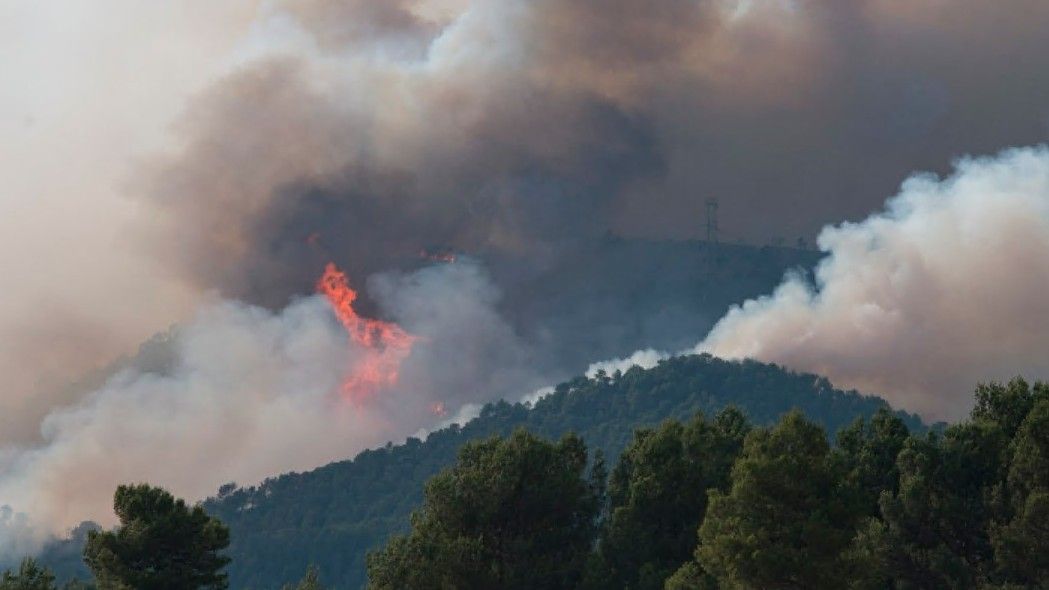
x: 720, y: 504
x: 333, y: 515
x: 700, y: 504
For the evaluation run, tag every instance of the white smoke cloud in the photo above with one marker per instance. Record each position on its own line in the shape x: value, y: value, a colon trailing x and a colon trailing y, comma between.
x: 944, y: 289
x: 467, y: 352
x: 916, y: 304
x: 89, y: 87
x: 251, y: 393
x: 646, y: 359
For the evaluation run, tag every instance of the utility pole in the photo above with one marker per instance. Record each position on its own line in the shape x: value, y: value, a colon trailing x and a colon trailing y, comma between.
x: 712, y: 220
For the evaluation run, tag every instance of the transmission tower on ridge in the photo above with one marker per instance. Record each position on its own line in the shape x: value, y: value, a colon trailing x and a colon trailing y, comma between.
x: 712, y: 220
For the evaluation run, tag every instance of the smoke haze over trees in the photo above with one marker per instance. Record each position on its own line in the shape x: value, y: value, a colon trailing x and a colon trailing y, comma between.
x: 771, y: 506
x: 333, y: 515
x: 198, y: 166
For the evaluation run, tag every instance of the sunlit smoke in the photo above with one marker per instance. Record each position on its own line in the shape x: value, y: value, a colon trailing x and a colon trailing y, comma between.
x: 918, y: 304
x: 943, y: 290
x: 487, y: 126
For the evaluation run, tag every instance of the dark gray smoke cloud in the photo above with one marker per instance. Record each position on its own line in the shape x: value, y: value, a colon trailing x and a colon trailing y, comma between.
x: 521, y: 127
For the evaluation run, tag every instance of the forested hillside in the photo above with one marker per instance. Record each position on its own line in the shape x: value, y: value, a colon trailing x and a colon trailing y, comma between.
x: 333, y: 515
x: 715, y: 501
x: 719, y: 503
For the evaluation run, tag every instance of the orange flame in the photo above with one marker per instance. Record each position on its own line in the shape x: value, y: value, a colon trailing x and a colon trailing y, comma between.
x: 386, y: 344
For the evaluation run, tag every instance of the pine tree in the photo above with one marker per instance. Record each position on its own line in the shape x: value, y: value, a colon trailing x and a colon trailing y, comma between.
x: 160, y: 544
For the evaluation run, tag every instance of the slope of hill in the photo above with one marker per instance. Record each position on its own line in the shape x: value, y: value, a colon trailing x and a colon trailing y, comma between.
x: 333, y: 515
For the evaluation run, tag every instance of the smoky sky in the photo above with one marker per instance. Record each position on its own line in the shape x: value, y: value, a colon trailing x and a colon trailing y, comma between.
x: 520, y: 128
x: 379, y: 134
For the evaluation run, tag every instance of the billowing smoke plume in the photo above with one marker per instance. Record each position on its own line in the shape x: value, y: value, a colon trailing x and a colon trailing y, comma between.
x: 369, y: 133
x: 501, y: 127
x: 78, y: 106
x: 518, y: 128
x: 245, y: 393
x: 943, y: 290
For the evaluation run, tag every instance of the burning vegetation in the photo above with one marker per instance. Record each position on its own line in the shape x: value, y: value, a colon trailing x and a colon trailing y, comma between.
x: 385, y: 344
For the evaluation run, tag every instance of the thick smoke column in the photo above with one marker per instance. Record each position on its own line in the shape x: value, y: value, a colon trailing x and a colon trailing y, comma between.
x: 246, y: 393
x: 945, y: 289
x: 499, y: 127
x: 505, y: 127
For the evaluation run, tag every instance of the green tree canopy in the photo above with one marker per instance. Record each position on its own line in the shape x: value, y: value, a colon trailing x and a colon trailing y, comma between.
x: 515, y: 514
x: 160, y: 544
x: 1021, y: 542
x: 938, y: 525
x: 783, y: 523
x: 657, y: 496
x: 30, y: 576
x: 867, y: 453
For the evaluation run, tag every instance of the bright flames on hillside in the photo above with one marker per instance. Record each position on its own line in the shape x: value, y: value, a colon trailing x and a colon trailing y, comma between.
x: 385, y: 344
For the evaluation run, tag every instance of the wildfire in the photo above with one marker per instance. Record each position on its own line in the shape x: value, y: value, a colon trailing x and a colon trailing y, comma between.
x: 386, y: 344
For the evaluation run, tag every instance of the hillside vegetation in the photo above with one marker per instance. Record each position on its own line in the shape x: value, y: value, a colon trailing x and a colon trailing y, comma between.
x: 333, y: 515
x: 712, y: 502
x: 722, y: 504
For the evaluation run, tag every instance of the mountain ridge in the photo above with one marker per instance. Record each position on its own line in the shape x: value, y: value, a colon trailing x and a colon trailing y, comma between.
x: 331, y: 516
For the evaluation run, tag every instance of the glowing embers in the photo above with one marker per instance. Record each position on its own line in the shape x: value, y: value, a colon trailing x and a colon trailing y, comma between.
x: 384, y: 345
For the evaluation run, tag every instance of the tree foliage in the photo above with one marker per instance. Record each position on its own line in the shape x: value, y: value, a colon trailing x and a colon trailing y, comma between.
x: 966, y: 510
x: 718, y: 504
x: 29, y: 576
x: 160, y: 544
x: 657, y: 495
x: 695, y: 505
x: 784, y: 522
x: 516, y: 513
